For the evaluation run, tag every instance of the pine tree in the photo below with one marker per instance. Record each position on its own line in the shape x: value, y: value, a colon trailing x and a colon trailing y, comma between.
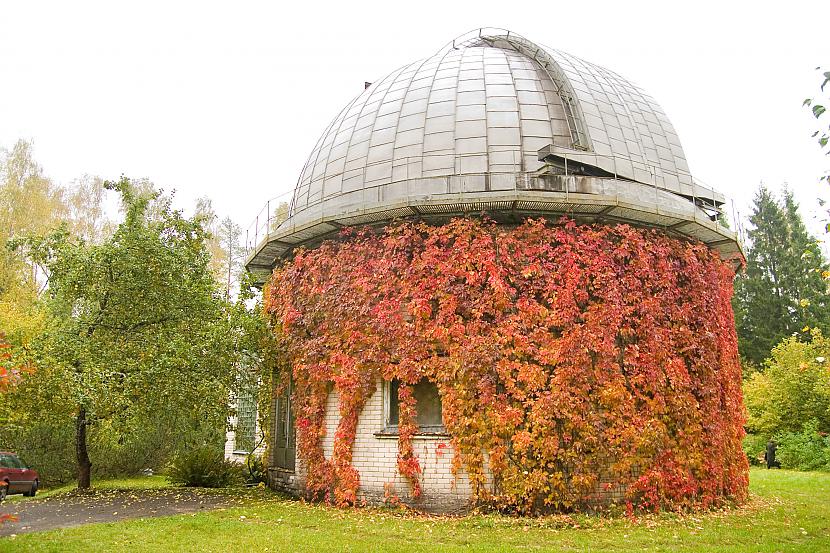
x: 782, y: 290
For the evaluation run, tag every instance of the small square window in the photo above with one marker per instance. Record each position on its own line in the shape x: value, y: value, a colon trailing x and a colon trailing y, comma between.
x: 428, y: 406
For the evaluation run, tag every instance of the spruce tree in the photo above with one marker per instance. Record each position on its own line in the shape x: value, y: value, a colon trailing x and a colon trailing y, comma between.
x: 782, y: 290
x: 808, y: 269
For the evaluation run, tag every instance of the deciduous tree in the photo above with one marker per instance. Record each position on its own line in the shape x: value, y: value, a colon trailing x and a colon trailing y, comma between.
x: 793, y: 390
x: 135, y: 324
x: 29, y: 203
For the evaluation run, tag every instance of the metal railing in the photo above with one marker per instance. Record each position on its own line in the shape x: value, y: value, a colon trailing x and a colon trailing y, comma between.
x: 284, y: 212
x: 275, y: 211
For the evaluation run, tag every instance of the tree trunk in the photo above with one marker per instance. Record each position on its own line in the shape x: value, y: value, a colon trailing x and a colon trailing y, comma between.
x: 81, y: 452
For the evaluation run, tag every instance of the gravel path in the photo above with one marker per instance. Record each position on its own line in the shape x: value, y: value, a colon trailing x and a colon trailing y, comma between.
x: 74, y: 509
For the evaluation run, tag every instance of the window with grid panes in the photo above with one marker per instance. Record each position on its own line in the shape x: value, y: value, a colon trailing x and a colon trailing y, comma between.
x: 246, y: 420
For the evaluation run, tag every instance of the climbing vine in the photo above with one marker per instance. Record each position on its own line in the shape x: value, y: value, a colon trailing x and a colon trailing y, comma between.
x: 570, y: 359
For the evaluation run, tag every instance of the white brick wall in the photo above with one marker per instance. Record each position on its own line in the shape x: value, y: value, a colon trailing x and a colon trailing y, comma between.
x: 375, y: 458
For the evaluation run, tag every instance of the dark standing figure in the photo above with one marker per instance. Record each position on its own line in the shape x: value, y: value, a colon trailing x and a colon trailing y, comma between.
x: 769, y: 456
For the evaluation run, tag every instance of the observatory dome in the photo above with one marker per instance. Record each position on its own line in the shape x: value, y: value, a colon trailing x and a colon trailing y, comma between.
x: 498, y: 124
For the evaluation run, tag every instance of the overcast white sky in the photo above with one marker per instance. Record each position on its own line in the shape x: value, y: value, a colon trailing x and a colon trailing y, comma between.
x: 226, y: 99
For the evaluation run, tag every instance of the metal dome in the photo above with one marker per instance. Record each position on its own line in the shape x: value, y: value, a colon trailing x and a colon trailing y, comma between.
x: 495, y: 123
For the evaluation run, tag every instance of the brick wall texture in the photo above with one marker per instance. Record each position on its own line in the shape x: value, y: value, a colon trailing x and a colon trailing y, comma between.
x: 375, y: 457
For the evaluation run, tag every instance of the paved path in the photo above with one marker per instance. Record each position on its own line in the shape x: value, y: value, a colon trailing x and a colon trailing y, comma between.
x: 74, y: 509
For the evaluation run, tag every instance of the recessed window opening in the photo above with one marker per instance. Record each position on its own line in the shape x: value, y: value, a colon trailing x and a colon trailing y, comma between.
x: 428, y: 406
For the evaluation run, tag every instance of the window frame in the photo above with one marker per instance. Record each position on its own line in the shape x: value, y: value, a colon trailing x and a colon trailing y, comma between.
x: 391, y: 430
x: 237, y: 449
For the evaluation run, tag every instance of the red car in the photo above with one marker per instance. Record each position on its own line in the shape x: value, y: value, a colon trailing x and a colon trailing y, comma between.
x: 15, y: 476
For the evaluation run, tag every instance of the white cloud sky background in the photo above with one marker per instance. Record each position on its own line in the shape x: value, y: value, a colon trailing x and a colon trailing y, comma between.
x: 226, y: 100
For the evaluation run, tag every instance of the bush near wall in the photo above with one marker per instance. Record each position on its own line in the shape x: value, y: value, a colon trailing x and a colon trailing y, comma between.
x: 562, y: 354
x: 204, y: 467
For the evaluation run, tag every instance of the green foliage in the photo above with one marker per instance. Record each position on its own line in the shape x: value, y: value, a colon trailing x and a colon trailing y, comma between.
x: 48, y: 443
x: 754, y: 446
x: 135, y: 325
x: 263, y: 359
x: 783, y: 289
x: 805, y: 450
x: 818, y: 108
x: 148, y: 443
x: 793, y: 389
x: 48, y: 446
x: 203, y: 467
x: 123, y: 324
x: 255, y: 470
x: 789, y: 402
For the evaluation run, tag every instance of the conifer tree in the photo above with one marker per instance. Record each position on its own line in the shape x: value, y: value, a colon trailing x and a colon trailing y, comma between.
x: 808, y: 269
x: 782, y: 290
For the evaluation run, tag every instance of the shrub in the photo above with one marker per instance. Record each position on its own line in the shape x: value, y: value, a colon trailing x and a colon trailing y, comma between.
x: 789, y: 401
x: 46, y: 445
x: 805, y: 450
x: 254, y: 469
x: 142, y: 442
x: 203, y: 467
x: 754, y: 447
x: 792, y: 389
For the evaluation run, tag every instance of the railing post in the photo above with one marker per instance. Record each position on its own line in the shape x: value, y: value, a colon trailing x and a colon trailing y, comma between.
x: 268, y: 217
x: 566, y: 178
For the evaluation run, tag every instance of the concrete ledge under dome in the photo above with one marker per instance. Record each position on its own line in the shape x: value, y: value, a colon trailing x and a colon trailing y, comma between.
x: 583, y: 198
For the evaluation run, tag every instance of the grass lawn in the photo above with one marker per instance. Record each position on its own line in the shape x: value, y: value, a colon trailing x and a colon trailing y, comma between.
x: 128, y: 483
x: 789, y: 511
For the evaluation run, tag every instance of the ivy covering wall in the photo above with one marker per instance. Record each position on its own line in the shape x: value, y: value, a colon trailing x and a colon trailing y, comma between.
x: 563, y: 354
